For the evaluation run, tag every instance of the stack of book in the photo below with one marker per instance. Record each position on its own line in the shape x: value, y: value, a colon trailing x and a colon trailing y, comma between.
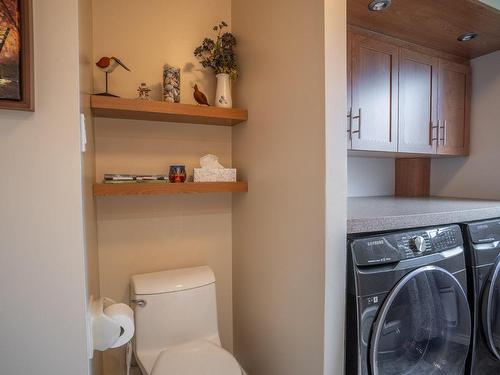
x: 111, y: 178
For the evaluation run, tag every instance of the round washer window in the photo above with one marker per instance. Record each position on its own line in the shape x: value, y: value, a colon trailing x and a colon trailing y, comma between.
x: 423, y: 326
x: 491, y: 310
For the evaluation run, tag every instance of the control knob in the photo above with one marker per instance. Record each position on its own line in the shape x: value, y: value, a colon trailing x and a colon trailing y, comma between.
x: 418, y: 244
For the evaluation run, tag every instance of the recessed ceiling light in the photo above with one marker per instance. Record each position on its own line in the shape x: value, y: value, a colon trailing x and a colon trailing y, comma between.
x: 377, y: 5
x: 467, y: 37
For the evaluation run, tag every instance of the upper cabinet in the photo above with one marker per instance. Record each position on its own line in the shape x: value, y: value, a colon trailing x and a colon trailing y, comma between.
x: 374, y: 90
x: 418, y: 94
x: 405, y: 100
x: 454, y: 108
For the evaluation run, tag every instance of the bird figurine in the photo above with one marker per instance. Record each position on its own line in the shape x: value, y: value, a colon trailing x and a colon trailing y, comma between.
x: 108, y: 65
x: 199, y: 96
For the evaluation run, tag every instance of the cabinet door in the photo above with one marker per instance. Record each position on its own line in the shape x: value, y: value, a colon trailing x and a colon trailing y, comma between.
x: 418, y: 79
x: 374, y: 71
x: 454, y: 108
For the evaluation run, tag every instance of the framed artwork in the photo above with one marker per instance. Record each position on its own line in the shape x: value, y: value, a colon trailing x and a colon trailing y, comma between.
x: 16, y: 55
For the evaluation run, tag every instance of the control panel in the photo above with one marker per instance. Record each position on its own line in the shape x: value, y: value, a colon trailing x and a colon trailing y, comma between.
x: 394, y: 247
x: 486, y: 231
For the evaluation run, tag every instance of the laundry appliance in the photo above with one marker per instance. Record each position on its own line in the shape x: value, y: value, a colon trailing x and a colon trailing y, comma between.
x: 483, y: 260
x: 407, y: 307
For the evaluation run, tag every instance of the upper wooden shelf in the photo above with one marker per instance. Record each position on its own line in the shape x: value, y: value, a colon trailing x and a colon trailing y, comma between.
x: 169, y: 188
x: 135, y: 109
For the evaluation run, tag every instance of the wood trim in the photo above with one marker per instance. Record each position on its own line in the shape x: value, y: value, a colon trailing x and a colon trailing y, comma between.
x: 105, y: 190
x: 408, y: 45
x: 27, y: 102
x: 146, y: 110
x: 413, y: 177
x: 468, y: 113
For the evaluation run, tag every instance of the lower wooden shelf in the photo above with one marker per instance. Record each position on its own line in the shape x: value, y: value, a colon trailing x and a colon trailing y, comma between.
x: 106, y: 190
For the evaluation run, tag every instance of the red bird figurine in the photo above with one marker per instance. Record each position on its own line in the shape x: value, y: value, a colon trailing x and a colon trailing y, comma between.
x: 108, y: 65
x: 199, y: 96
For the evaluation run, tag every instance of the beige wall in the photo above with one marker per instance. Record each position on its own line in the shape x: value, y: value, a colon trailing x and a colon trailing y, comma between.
x: 476, y: 176
x: 279, y: 232
x: 146, y: 234
x: 42, y: 270
x: 88, y: 160
x: 145, y: 35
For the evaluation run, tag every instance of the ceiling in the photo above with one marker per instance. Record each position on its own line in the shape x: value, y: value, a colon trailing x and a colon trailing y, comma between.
x: 434, y: 24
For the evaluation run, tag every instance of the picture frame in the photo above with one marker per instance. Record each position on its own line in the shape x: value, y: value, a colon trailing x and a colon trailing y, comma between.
x: 16, y: 55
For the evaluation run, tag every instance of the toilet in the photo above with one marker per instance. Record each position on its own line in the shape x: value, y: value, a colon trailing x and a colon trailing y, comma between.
x: 176, y: 324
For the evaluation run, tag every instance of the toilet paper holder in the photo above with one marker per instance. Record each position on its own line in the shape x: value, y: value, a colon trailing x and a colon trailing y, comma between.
x: 110, y: 324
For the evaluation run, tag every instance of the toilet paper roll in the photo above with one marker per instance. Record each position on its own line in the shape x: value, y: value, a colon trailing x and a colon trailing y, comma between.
x: 123, y: 315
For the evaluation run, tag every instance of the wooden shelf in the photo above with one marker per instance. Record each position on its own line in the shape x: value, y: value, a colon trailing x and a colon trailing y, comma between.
x: 110, y: 107
x: 104, y: 190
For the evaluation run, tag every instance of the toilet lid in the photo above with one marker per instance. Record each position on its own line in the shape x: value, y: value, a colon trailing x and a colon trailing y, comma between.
x: 197, y: 358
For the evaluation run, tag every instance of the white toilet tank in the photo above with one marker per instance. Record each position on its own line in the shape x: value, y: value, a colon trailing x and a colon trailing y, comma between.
x: 179, y: 307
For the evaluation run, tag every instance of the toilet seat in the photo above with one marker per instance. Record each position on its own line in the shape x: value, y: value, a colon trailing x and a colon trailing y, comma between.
x: 196, y: 358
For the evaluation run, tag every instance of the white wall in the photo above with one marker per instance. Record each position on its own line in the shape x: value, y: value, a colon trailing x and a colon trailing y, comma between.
x: 368, y: 177
x: 477, y: 176
x: 492, y: 3
x: 42, y: 260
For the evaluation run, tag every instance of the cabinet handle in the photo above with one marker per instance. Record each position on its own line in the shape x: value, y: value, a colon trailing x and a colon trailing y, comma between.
x: 349, y: 123
x: 358, y: 117
x: 443, y: 133
x: 436, y: 138
x: 445, y: 136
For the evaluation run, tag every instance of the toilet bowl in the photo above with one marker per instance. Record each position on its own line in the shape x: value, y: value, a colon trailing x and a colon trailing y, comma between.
x: 199, y: 357
x: 176, y: 324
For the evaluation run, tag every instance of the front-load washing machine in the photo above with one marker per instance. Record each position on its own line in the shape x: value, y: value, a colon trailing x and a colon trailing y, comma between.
x: 483, y: 259
x: 407, y: 308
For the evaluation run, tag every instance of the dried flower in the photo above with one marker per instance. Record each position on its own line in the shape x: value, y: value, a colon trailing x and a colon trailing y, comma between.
x: 219, y: 54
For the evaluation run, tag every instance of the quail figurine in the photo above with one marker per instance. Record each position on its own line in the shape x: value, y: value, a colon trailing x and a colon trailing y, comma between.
x: 108, y: 65
x: 199, y: 96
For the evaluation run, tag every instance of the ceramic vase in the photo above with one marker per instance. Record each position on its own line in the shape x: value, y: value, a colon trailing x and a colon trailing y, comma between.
x: 223, y: 93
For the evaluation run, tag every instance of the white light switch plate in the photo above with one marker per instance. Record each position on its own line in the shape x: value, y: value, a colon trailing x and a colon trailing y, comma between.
x: 83, y: 133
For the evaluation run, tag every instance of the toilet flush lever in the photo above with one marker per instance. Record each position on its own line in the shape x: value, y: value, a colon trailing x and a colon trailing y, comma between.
x: 138, y: 302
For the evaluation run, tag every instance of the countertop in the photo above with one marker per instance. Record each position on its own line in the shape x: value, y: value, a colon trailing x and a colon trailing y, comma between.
x: 376, y: 214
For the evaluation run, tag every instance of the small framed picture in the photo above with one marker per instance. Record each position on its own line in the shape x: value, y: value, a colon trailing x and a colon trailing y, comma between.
x: 16, y: 55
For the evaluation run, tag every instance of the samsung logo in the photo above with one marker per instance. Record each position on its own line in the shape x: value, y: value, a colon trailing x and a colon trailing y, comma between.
x: 375, y: 243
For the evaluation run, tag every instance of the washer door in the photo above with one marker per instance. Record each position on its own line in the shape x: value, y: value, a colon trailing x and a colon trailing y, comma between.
x: 423, y: 326
x: 491, y: 310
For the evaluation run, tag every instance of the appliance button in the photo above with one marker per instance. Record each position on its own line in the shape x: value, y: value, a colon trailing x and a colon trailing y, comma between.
x: 418, y: 244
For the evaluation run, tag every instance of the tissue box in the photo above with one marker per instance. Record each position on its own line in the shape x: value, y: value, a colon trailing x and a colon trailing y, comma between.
x: 215, y: 175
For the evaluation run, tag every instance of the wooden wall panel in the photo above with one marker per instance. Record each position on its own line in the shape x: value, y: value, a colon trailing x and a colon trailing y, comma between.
x: 413, y: 177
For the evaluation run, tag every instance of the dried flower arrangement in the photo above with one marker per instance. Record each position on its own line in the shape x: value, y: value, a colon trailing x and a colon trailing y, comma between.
x: 219, y: 54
